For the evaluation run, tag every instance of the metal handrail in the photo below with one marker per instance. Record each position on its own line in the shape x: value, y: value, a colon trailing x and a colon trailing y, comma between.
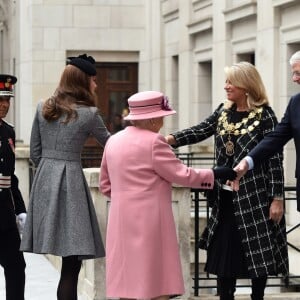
x: 193, y: 159
x: 198, y: 278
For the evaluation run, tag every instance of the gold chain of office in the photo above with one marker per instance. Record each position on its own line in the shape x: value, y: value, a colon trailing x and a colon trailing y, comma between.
x: 237, y: 128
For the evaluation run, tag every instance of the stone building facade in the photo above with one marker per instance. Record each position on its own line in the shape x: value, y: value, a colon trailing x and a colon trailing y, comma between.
x: 178, y: 46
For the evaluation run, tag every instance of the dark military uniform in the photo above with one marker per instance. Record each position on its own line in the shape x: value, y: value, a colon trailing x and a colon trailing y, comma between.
x: 11, y: 204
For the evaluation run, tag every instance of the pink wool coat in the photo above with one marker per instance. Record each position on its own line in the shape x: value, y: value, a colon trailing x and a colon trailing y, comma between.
x: 142, y: 253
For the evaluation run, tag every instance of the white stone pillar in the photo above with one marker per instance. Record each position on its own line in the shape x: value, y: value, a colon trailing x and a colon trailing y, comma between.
x: 267, y: 51
x: 22, y: 171
x: 24, y: 101
x: 92, y: 285
x: 221, y: 52
x: 185, y: 68
x: 181, y: 202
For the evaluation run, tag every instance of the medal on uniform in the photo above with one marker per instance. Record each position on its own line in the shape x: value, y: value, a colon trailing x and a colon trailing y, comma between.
x: 11, y: 144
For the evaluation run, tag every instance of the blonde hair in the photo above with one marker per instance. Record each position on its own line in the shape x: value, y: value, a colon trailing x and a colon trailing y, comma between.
x: 244, y: 75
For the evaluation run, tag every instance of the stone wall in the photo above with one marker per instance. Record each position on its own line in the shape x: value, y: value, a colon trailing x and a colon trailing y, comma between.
x: 22, y: 170
x: 181, y: 48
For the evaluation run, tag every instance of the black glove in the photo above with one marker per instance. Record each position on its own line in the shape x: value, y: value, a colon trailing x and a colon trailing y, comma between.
x: 224, y: 173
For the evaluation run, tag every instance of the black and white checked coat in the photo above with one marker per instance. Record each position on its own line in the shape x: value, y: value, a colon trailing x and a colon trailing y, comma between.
x: 263, y: 241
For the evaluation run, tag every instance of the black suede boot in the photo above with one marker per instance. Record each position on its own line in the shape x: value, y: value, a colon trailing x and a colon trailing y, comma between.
x: 227, y: 297
x: 226, y: 288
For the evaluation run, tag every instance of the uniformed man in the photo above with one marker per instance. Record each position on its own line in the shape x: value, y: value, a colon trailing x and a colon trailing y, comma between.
x: 11, y: 201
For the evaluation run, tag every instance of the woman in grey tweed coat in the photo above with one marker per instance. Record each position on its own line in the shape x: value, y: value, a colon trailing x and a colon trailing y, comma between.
x: 246, y: 232
x: 61, y: 216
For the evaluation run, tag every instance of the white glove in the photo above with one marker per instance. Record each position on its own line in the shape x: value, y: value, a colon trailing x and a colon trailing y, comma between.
x: 21, y: 219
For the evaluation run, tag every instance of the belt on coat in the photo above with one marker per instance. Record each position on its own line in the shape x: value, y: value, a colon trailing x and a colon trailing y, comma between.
x: 5, y: 182
x: 56, y: 154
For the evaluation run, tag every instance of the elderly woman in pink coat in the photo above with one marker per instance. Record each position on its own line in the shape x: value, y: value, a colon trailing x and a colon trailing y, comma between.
x: 137, y: 172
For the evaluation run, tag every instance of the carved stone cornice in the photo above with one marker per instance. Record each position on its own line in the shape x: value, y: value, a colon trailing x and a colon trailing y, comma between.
x: 237, y: 12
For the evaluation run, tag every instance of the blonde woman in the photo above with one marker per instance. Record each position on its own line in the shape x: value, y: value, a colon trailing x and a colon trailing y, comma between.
x: 245, y: 236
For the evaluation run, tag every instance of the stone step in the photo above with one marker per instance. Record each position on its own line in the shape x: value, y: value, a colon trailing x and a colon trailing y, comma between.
x: 280, y: 296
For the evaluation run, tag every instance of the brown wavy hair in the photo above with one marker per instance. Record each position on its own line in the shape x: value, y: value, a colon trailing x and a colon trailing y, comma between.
x: 73, y: 90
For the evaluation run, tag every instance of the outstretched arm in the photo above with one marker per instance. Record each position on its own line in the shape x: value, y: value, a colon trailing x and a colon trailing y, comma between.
x: 242, y: 168
x: 170, y: 139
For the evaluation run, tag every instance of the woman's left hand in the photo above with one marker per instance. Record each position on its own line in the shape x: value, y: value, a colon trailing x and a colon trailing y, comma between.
x: 234, y: 185
x: 276, y: 210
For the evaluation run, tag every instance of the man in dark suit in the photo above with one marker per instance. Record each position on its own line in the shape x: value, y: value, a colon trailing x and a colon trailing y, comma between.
x: 288, y: 128
x: 11, y: 201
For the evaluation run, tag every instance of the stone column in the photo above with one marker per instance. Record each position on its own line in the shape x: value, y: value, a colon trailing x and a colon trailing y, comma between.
x: 267, y: 52
x: 22, y: 170
x: 221, y: 52
x: 93, y: 273
x: 181, y: 202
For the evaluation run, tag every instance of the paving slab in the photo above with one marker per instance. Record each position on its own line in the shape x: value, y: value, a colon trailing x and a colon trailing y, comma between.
x: 41, y: 279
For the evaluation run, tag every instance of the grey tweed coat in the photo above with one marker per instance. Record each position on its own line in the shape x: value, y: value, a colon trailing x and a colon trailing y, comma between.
x: 61, y: 217
x: 264, y: 242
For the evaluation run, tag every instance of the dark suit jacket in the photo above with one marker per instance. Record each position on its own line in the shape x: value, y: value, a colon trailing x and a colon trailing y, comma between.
x: 288, y: 128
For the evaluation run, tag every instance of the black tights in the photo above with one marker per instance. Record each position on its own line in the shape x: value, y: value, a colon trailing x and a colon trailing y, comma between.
x: 227, y: 288
x: 67, y: 286
x: 258, y: 288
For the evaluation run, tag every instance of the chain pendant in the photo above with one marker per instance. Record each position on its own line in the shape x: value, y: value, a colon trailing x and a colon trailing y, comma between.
x: 229, y: 146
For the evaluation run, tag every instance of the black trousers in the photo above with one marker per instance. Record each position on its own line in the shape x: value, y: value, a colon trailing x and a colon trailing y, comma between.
x: 226, y: 288
x: 13, y: 263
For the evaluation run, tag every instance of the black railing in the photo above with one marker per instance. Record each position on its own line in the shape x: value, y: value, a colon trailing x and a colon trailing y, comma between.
x: 201, y: 278
x: 195, y: 160
x: 200, y: 204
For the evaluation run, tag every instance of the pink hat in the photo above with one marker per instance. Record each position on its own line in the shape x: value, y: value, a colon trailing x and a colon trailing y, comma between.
x: 148, y: 105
